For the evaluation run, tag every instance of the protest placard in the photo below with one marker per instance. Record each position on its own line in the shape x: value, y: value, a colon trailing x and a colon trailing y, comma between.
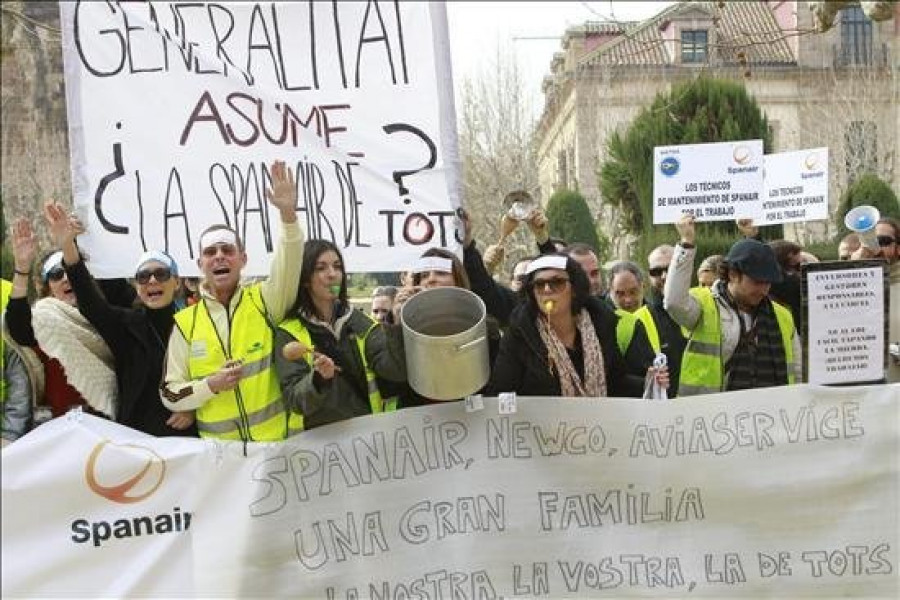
x: 790, y: 492
x: 176, y: 110
x: 796, y: 187
x: 714, y: 182
x: 846, y: 328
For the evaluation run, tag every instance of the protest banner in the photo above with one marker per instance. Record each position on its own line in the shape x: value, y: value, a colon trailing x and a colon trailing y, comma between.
x: 177, y: 109
x: 714, y: 182
x: 796, y: 186
x: 846, y: 328
x: 790, y: 492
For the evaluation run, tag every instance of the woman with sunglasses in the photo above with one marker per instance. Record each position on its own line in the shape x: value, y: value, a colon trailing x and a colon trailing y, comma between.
x: 327, y: 353
x: 77, y: 364
x: 562, y: 342
x: 137, y: 336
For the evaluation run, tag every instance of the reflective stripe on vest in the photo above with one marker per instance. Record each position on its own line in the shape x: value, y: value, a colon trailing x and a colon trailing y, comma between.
x: 376, y: 403
x: 254, y: 410
x: 702, y: 367
x: 646, y: 317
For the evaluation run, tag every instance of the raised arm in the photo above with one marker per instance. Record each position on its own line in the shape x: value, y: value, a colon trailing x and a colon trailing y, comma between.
x: 91, y: 302
x: 280, y: 288
x: 24, y: 246
x: 677, y: 300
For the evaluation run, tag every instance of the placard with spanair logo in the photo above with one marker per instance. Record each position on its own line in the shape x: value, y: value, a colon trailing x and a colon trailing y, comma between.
x: 714, y: 182
x: 796, y: 186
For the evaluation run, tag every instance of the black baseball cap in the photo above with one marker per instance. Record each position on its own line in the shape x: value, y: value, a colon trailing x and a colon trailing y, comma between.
x: 754, y: 259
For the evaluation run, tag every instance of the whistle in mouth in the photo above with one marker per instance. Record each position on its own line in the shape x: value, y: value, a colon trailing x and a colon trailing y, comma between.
x: 548, y: 306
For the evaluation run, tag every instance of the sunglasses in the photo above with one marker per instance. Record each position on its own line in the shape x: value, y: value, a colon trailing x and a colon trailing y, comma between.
x: 56, y: 274
x: 657, y: 271
x: 227, y: 250
x: 556, y: 284
x: 885, y: 240
x: 162, y: 275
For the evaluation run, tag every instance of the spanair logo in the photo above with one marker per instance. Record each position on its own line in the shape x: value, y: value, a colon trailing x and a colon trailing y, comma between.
x: 811, y: 162
x: 742, y: 155
x: 669, y: 166
x: 125, y: 473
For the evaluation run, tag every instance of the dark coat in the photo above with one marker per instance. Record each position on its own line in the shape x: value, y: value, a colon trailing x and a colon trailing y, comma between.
x: 139, y: 350
x: 322, y: 401
x: 671, y: 340
x: 522, y: 366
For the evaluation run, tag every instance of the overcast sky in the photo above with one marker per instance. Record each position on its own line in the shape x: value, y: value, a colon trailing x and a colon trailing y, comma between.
x: 477, y: 27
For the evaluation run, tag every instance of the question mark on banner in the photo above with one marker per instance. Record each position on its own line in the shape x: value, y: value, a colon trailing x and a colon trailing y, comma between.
x: 432, y: 149
x: 101, y: 188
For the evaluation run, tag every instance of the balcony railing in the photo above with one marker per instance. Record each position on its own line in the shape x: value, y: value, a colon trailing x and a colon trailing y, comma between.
x: 863, y: 55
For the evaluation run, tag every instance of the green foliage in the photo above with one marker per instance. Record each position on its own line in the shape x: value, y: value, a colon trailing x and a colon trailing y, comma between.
x: 570, y: 219
x: 700, y: 111
x: 868, y: 189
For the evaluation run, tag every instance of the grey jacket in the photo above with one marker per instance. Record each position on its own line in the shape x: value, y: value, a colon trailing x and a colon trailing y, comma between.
x: 17, y: 406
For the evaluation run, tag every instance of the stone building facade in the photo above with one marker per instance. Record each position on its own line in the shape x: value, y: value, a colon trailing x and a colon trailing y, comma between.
x: 838, y: 89
x: 35, y: 149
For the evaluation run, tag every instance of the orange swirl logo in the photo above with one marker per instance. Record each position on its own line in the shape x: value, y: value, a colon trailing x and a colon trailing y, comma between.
x: 742, y: 155
x: 125, y: 473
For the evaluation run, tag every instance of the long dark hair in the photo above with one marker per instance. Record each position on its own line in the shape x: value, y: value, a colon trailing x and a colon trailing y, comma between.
x: 581, y: 286
x: 312, y: 250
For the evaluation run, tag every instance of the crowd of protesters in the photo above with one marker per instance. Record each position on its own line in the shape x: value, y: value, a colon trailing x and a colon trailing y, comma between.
x: 236, y: 359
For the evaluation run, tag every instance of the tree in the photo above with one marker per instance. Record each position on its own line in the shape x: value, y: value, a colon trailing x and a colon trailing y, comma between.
x: 570, y: 219
x: 496, y: 124
x: 870, y: 190
x: 699, y: 111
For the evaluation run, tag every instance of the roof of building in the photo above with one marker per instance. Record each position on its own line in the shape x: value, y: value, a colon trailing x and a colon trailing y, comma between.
x: 748, y: 27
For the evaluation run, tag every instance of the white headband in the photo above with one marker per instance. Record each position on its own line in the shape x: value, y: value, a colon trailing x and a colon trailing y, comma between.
x: 433, y: 263
x: 217, y: 236
x: 546, y: 262
x: 158, y: 256
x: 53, y: 260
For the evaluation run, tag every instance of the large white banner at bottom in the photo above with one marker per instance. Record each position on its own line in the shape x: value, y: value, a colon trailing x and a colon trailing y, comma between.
x: 789, y: 492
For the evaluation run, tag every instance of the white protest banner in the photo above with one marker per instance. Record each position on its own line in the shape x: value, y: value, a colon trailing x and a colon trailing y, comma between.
x: 177, y: 109
x: 846, y: 329
x: 796, y: 187
x: 790, y: 492
x: 714, y: 182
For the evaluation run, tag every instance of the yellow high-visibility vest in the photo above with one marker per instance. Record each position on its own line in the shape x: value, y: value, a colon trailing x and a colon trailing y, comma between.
x: 254, y: 410
x: 702, y: 367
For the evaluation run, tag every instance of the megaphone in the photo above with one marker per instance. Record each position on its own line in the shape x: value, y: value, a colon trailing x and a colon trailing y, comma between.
x: 861, y: 220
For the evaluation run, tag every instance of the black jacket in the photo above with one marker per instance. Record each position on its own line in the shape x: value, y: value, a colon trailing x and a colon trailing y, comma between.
x: 671, y: 340
x: 522, y: 365
x: 138, y: 338
x: 322, y: 401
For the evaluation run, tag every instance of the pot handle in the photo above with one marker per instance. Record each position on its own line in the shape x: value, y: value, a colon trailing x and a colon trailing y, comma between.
x: 471, y: 344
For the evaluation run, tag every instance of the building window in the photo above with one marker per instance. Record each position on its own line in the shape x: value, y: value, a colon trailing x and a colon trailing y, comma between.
x: 693, y: 46
x: 856, y: 37
x: 860, y: 149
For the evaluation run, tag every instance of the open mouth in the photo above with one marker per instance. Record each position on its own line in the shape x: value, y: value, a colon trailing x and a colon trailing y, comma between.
x: 221, y: 271
x: 155, y: 294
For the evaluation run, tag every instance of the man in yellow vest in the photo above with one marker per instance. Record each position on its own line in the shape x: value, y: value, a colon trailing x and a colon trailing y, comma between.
x: 219, y: 358
x: 739, y: 338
